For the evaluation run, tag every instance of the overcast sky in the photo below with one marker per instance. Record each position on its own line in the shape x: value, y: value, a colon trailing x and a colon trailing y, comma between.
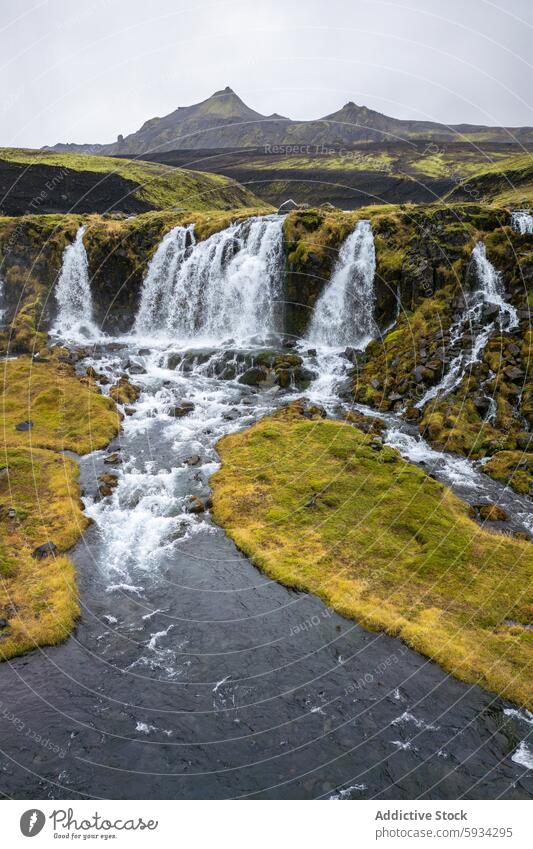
x: 86, y: 70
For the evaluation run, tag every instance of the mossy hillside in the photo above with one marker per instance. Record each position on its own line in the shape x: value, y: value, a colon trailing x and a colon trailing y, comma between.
x: 39, y: 495
x: 418, y: 250
x: 508, y: 181
x: 317, y: 508
x: 159, y: 186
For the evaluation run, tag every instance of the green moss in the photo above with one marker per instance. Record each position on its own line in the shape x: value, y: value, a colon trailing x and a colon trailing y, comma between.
x: 381, y: 542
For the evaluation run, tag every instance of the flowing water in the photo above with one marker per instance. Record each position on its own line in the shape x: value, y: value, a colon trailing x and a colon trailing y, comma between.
x: 344, y: 314
x: 522, y: 221
x: 191, y: 674
x: 486, y: 299
x: 73, y: 295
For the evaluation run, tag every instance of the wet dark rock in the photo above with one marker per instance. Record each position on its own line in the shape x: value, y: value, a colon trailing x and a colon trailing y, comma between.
x: 231, y: 415
x: 254, y: 376
x: 418, y: 373
x: 108, y: 483
x: 482, y: 404
x: 524, y: 441
x: 182, y: 409
x: 196, y: 505
x: 303, y: 377
x: 288, y: 343
x: 193, y: 460
x: 513, y: 373
x: 4, y: 623
x: 27, y: 425
x: 311, y: 352
x: 49, y: 549
x: 129, y: 411
x: 135, y: 368
x: 351, y: 354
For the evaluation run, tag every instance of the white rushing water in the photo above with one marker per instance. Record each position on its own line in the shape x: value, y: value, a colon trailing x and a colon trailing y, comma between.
x: 344, y: 314
x: 227, y: 286
x: 73, y: 294
x: 522, y: 221
x: 489, y: 292
x: 2, y: 296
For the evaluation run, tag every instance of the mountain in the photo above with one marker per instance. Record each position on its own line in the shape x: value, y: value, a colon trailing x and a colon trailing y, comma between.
x: 225, y: 121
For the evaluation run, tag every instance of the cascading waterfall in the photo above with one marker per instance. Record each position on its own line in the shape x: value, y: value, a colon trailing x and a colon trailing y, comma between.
x: 73, y: 294
x: 490, y: 293
x: 228, y: 285
x: 522, y: 221
x: 344, y: 314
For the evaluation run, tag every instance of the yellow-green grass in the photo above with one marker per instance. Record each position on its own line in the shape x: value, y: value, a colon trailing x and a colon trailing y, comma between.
x: 162, y: 186
x: 315, y: 507
x: 39, y: 597
x: 66, y: 413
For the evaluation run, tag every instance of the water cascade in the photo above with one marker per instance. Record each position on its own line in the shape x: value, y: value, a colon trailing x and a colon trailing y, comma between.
x: 2, y: 300
x: 73, y: 294
x: 488, y: 294
x: 228, y: 285
x: 344, y: 314
x: 522, y: 221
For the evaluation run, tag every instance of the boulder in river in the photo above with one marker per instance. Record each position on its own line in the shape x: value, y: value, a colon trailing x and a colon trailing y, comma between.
x: 182, y: 409
x: 254, y: 376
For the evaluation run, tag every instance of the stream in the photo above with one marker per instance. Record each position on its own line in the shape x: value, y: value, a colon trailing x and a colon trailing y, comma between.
x: 191, y: 674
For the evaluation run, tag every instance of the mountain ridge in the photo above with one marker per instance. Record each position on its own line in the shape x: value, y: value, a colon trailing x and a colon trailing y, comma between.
x: 223, y: 120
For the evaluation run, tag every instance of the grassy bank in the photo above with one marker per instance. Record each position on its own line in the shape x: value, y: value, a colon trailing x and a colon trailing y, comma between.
x: 39, y: 496
x: 317, y: 507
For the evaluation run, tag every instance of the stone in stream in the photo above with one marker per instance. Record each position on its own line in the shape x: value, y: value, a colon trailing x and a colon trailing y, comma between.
x: 182, y: 409
x: 26, y: 425
x: 113, y: 458
x: 48, y: 549
x: 254, y: 376
x: 108, y: 483
x: 196, y: 505
x: 193, y: 460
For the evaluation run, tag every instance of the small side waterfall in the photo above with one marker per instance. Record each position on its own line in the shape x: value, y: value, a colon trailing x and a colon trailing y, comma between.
x: 522, y: 221
x: 73, y: 294
x: 226, y: 286
x: 2, y: 301
x: 344, y: 314
x: 489, y: 294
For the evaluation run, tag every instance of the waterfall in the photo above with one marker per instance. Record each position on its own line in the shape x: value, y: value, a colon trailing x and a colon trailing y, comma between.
x: 344, y: 313
x: 73, y: 294
x: 522, y: 221
x: 160, y: 278
x: 228, y: 285
x: 488, y: 294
